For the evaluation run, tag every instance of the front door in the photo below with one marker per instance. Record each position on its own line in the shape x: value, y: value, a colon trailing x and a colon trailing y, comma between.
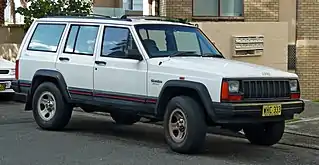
x: 119, y: 79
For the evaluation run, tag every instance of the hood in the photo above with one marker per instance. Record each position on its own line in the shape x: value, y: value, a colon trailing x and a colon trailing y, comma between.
x: 223, y: 67
x: 6, y: 64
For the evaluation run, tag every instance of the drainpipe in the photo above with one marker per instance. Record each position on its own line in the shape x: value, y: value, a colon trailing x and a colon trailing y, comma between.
x: 146, y: 7
x: 296, y: 34
x: 296, y: 31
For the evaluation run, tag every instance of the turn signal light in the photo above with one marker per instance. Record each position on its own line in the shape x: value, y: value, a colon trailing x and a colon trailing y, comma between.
x: 295, y: 96
x: 225, y: 91
x: 235, y: 97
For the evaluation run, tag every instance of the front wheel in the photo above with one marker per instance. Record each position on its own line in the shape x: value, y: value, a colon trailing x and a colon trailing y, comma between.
x: 50, y: 110
x: 266, y: 134
x: 184, y: 125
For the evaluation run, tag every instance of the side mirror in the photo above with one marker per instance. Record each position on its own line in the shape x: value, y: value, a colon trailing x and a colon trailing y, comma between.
x: 134, y: 54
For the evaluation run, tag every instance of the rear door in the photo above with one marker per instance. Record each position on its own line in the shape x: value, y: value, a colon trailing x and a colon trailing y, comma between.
x: 40, y: 49
x: 76, y: 59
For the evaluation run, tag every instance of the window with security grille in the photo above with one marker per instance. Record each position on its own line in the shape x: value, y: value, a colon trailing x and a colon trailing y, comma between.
x: 291, y: 57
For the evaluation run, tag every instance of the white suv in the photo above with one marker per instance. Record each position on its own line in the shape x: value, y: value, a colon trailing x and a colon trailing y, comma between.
x: 160, y: 70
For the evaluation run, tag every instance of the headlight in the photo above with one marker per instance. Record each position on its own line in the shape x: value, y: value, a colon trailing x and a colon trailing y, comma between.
x: 233, y: 86
x: 293, y: 85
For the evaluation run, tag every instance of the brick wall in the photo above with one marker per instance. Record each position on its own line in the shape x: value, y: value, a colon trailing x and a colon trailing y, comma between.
x: 2, y: 8
x: 176, y: 8
x: 261, y: 10
x: 307, y: 66
x: 308, y: 18
x: 308, y: 71
x: 255, y: 10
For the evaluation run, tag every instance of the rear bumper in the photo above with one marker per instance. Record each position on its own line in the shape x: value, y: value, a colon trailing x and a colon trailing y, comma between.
x: 15, y: 86
x: 228, y: 113
x: 20, y: 86
x: 20, y: 89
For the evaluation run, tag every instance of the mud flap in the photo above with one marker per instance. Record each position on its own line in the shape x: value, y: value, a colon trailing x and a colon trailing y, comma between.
x: 28, y: 104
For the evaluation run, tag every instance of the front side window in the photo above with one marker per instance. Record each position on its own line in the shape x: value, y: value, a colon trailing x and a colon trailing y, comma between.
x: 117, y: 42
x: 46, y: 37
x: 81, y: 39
x: 175, y: 40
x: 218, y: 8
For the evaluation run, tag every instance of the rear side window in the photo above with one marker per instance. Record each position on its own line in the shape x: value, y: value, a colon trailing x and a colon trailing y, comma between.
x: 46, y: 37
x: 82, y: 39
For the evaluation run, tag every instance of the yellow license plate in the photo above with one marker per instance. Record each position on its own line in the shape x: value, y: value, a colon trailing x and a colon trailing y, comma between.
x: 271, y: 110
x: 2, y: 87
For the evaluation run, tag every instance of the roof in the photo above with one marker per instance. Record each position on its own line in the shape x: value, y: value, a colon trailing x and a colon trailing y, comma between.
x: 105, y: 20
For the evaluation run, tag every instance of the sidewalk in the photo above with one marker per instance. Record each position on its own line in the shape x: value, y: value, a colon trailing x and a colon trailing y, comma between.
x: 305, y: 130
x: 306, y: 123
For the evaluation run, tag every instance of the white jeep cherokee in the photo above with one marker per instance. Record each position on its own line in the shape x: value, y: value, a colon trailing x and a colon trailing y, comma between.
x: 160, y: 70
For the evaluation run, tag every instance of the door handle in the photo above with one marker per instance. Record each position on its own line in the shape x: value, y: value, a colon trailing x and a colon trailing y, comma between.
x: 64, y: 59
x: 100, y: 62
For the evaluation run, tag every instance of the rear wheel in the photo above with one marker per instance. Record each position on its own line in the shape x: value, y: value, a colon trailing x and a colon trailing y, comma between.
x: 184, y: 125
x: 265, y: 134
x: 50, y: 110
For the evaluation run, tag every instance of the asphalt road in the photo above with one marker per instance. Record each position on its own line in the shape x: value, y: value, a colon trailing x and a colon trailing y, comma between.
x: 95, y: 140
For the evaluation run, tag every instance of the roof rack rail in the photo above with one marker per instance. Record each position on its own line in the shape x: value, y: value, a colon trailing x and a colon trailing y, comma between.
x: 78, y: 15
x: 151, y: 17
x: 83, y: 15
x: 148, y: 17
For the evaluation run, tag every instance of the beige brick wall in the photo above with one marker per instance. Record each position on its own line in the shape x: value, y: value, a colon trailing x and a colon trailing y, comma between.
x: 307, y: 20
x: 261, y: 10
x: 308, y: 48
x: 255, y: 10
x: 176, y: 8
x: 308, y: 71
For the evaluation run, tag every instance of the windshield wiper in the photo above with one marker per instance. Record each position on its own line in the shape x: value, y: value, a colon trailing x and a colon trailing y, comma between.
x: 212, y: 55
x: 183, y: 53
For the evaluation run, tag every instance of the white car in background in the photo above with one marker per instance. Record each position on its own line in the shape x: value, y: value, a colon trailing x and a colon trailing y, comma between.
x: 7, y: 74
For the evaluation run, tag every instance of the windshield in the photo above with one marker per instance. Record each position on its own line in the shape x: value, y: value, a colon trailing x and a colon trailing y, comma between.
x: 174, y: 40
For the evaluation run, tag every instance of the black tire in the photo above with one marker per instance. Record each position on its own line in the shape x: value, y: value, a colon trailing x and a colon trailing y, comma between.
x: 63, y: 110
x: 196, y: 127
x: 266, y: 134
x: 123, y: 118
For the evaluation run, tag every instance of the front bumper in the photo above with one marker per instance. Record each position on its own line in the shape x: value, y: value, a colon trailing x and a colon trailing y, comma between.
x: 228, y: 113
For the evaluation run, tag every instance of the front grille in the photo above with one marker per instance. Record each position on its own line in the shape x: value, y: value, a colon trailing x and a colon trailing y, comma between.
x: 4, y: 71
x: 266, y: 89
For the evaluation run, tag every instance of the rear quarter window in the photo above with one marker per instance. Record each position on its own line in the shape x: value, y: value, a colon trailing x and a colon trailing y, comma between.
x: 46, y: 37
